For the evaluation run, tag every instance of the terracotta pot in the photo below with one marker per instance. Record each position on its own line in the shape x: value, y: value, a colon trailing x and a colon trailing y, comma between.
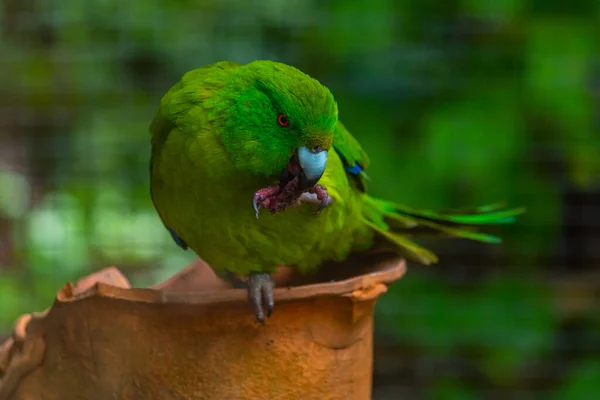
x: 194, y: 337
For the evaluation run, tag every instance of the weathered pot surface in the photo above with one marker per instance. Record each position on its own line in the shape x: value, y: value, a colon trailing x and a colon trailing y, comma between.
x: 194, y: 337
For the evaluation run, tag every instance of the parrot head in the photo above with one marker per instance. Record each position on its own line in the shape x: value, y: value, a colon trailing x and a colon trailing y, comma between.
x: 279, y: 124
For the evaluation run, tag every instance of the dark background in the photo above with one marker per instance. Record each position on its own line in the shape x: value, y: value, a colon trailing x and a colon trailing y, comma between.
x: 459, y: 103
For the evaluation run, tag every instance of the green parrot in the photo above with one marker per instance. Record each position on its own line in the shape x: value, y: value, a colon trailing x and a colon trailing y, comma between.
x: 231, y: 139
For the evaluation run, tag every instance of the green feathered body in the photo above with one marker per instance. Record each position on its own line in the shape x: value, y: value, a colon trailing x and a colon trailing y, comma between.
x: 211, y: 210
x: 206, y: 167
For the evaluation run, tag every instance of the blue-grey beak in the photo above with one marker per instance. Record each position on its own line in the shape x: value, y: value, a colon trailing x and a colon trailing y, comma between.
x: 313, y: 163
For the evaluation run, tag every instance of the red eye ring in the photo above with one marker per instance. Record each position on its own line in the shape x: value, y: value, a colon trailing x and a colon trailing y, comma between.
x: 283, y: 120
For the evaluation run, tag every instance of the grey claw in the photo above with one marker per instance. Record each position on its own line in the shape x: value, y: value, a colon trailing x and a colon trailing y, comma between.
x: 260, y: 315
x: 256, y: 205
x: 267, y: 293
x: 322, y: 205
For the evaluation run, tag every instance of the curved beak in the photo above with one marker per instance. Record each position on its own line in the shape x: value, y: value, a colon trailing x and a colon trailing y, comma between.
x: 312, y: 163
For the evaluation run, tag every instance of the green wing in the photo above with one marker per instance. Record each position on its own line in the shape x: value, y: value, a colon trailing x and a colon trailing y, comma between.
x: 355, y: 159
x: 174, y: 112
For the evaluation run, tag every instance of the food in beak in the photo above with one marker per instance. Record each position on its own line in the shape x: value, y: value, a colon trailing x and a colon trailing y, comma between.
x: 300, y: 175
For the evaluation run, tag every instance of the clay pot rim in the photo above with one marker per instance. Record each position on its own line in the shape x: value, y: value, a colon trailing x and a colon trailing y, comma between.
x: 383, y: 275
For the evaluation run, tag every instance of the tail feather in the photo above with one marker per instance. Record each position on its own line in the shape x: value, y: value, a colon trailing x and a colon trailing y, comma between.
x: 406, y: 247
x: 486, y: 215
x: 396, y: 222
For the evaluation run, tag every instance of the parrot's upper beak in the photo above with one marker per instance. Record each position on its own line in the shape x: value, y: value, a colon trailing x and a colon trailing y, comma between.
x: 308, y: 165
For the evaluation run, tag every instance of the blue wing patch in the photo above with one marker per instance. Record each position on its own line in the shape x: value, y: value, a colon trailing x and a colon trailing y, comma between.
x: 177, y: 239
x: 356, y: 170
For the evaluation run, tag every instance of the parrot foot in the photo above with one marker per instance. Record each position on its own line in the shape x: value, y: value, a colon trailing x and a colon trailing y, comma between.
x: 263, y: 197
x: 260, y: 294
x: 275, y: 198
x: 322, y: 196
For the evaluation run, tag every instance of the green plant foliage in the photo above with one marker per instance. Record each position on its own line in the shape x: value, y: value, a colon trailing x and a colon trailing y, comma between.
x: 506, y: 319
x: 582, y: 381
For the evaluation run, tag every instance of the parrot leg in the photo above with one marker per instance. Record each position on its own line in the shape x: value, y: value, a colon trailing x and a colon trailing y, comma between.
x: 260, y: 293
x: 260, y: 290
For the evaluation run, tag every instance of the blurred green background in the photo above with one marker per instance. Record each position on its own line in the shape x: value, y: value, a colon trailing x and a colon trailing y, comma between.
x: 459, y: 103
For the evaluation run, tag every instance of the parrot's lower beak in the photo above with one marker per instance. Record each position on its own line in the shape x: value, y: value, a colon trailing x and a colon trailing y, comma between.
x: 307, y: 165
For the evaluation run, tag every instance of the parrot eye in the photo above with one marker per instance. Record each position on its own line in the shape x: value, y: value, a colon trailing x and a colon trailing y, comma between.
x: 283, y: 120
